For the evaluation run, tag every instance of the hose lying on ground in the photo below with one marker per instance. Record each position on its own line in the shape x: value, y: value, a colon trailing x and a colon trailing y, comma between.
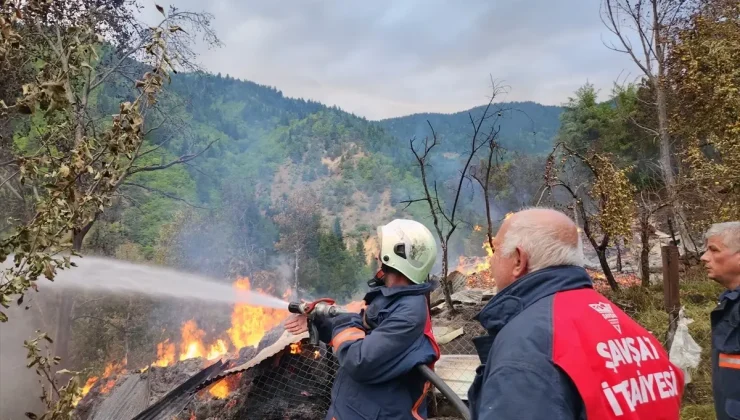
x: 445, y: 390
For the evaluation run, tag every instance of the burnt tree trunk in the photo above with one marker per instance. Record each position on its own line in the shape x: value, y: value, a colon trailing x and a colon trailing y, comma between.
x: 446, y: 285
x: 601, y: 253
x: 645, y: 251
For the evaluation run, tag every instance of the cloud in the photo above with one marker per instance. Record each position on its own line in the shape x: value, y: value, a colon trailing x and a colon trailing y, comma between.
x: 389, y: 58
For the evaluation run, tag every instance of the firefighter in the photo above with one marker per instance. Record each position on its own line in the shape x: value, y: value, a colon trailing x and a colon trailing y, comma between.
x: 722, y: 261
x: 557, y: 349
x: 379, y: 348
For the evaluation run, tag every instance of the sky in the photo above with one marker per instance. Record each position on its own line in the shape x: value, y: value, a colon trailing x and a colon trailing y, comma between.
x: 388, y: 58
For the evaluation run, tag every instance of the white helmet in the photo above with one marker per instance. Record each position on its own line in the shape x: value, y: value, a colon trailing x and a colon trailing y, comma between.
x: 409, y: 247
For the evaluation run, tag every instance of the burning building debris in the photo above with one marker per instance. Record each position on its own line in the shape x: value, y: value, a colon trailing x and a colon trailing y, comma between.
x: 255, y: 370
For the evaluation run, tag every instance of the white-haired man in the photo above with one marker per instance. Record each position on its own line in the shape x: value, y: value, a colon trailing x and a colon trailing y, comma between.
x: 722, y: 260
x: 557, y: 349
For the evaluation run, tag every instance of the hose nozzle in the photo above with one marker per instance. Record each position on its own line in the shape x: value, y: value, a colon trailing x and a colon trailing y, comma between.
x: 321, y: 308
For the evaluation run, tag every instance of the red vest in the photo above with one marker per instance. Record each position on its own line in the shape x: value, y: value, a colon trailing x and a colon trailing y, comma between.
x: 621, y: 370
x: 429, y: 333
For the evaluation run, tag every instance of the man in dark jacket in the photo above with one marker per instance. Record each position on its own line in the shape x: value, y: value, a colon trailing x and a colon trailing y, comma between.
x: 557, y: 349
x: 379, y: 348
x: 722, y: 260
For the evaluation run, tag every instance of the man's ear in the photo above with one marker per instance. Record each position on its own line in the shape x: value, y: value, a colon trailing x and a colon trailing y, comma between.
x: 522, y: 263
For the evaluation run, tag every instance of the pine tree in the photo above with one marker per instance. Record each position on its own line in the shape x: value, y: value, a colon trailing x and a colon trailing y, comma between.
x: 338, y: 229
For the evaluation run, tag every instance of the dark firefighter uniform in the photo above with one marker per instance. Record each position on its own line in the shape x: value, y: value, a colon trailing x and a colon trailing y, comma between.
x: 557, y: 349
x: 726, y: 355
x: 376, y: 377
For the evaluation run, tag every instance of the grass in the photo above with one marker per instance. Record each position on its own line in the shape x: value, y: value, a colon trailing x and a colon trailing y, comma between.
x: 698, y: 297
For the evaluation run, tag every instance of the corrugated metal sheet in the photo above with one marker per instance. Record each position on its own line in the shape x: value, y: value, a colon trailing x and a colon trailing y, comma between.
x: 284, y: 341
x: 458, y: 371
x: 458, y: 281
x: 175, y: 401
x: 125, y: 401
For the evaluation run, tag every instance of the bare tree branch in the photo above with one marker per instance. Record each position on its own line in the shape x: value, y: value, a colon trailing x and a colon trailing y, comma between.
x: 180, y: 160
x: 9, y: 178
x: 165, y: 194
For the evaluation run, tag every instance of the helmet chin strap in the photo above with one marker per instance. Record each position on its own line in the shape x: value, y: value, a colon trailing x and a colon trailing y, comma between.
x: 378, y: 280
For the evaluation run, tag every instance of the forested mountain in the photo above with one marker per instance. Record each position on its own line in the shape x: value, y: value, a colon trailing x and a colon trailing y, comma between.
x: 263, y: 146
x: 526, y: 127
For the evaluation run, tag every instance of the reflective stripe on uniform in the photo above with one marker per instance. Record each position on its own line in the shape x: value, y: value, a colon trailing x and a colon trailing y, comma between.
x: 415, y: 410
x: 730, y: 361
x: 348, y: 334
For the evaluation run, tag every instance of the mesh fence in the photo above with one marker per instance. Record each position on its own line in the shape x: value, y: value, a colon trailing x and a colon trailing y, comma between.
x: 296, y: 383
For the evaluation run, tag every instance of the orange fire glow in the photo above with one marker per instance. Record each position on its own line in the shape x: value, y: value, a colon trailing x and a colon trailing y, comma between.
x: 165, y: 354
x: 108, y: 386
x: 114, y: 369
x: 478, y: 269
x: 316, y: 354
x: 470, y: 265
x: 249, y: 323
x: 220, y: 389
x: 192, y: 341
x: 218, y: 349
x: 295, y: 348
x: 225, y: 386
x: 86, y: 389
x: 248, y: 326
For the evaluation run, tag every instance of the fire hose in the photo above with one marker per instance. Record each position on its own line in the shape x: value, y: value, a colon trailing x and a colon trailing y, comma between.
x: 327, y: 308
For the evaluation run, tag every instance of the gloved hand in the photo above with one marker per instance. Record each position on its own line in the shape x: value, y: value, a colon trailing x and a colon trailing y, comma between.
x: 368, y: 324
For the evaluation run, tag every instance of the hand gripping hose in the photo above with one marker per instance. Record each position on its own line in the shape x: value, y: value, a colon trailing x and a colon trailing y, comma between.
x: 445, y: 390
x: 325, y: 307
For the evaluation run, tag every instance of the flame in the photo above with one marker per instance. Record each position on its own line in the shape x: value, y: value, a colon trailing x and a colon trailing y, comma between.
x: 316, y: 354
x: 225, y: 386
x: 248, y: 326
x: 601, y: 285
x: 295, y: 348
x: 89, y: 384
x: 477, y: 228
x: 108, y: 386
x: 218, y: 349
x: 220, y: 389
x: 85, y: 389
x: 478, y: 269
x: 114, y: 369
x: 192, y: 341
x: 165, y: 354
x: 249, y: 323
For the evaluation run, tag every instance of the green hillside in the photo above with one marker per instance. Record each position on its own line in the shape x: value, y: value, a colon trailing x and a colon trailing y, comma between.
x: 257, y: 149
x: 526, y: 127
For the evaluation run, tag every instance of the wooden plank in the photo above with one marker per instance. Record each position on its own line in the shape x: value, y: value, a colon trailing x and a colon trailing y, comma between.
x: 671, y: 297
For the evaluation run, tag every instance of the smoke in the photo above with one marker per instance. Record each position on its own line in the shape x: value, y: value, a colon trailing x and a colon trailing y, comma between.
x: 19, y: 386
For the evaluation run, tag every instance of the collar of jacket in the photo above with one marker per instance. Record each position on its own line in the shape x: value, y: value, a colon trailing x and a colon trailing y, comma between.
x: 732, y: 295
x: 517, y: 296
x: 412, y: 290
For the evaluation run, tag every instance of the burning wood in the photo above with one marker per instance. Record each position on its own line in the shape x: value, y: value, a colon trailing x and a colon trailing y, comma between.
x: 624, y: 280
x: 478, y: 269
x: 291, y: 380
